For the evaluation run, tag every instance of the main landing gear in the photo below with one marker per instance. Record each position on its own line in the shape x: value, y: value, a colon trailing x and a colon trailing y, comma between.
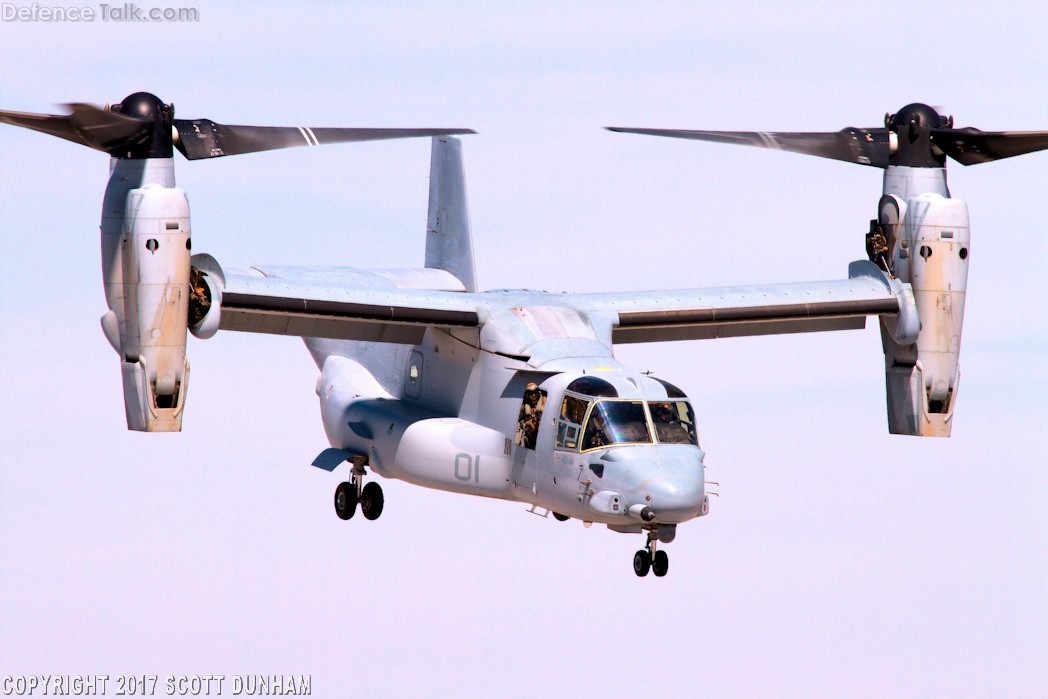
x: 651, y: 558
x: 350, y: 493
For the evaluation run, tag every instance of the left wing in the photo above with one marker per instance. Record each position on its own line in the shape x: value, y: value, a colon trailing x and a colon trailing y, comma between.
x: 697, y: 314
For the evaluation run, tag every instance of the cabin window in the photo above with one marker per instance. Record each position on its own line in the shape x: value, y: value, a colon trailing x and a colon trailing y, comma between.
x: 413, y: 380
x: 674, y: 422
x: 530, y: 416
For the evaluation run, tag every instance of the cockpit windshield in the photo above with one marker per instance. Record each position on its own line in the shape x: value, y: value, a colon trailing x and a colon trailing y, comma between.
x: 616, y: 422
x: 674, y: 422
x: 586, y: 423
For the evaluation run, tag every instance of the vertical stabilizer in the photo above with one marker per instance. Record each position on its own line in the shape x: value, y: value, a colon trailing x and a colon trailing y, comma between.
x: 449, y: 243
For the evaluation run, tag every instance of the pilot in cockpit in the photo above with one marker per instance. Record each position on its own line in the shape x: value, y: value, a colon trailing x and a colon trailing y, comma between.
x: 596, y: 432
x: 668, y: 427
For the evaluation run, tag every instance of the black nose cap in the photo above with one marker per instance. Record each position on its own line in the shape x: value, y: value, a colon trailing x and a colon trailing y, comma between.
x: 142, y: 104
x: 918, y: 115
x: 155, y: 141
x: 913, y: 124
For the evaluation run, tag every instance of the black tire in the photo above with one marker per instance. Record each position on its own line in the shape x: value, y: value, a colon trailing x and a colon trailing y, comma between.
x: 372, y: 500
x: 641, y: 563
x: 345, y: 500
x: 560, y: 518
x: 661, y: 564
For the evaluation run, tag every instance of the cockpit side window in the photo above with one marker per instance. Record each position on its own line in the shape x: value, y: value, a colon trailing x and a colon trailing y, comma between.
x: 674, y: 422
x: 569, y: 426
x: 671, y: 390
x: 616, y: 422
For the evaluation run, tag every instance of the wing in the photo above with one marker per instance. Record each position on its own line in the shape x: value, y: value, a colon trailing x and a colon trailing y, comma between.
x: 398, y: 307
x: 354, y: 305
x: 695, y: 314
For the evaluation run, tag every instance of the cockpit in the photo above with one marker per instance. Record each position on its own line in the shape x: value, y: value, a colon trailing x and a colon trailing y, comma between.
x: 593, y: 416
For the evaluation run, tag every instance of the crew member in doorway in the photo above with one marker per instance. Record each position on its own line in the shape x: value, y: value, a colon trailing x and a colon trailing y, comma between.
x: 530, y: 416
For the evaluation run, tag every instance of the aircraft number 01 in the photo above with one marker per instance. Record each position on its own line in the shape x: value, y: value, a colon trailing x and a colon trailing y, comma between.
x: 465, y: 469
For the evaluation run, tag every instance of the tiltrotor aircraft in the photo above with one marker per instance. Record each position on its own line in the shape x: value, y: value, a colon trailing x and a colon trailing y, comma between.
x: 516, y: 395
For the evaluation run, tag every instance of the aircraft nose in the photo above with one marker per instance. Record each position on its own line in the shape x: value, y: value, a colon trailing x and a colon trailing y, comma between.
x: 676, y: 498
x: 668, y: 478
x: 677, y: 493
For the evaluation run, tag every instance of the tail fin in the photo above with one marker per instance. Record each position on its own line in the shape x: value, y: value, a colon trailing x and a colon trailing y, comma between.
x: 449, y: 243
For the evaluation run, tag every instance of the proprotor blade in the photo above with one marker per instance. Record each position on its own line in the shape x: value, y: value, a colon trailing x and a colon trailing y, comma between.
x: 852, y: 145
x: 87, y: 125
x: 203, y: 138
x: 970, y: 146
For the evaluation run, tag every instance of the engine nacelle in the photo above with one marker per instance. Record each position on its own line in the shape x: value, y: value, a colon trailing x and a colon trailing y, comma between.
x: 929, y: 237
x: 145, y: 259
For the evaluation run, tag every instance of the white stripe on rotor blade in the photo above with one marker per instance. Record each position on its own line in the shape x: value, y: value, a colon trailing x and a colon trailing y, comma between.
x: 312, y: 135
x: 769, y: 140
x: 307, y: 134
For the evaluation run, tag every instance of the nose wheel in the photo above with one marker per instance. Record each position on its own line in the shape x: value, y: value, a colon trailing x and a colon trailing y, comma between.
x: 641, y: 562
x: 350, y: 493
x: 346, y: 500
x: 651, y: 558
x: 371, y: 500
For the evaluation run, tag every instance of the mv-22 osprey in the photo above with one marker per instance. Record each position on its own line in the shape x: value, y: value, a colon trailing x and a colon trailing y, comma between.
x: 516, y: 395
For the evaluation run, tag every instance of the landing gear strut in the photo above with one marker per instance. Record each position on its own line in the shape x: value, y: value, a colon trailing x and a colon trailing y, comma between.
x: 349, y: 493
x: 650, y: 557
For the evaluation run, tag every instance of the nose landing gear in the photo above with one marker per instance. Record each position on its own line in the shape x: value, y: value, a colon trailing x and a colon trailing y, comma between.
x: 350, y: 493
x: 650, y: 557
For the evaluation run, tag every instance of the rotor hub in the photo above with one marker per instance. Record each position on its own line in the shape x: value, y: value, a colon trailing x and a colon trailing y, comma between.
x: 141, y: 104
x: 913, y: 125
x: 155, y: 138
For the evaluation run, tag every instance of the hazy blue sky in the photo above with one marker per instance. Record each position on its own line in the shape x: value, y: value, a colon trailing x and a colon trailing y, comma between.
x: 837, y: 561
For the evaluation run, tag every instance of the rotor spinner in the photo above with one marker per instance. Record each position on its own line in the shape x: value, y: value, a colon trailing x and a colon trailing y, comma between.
x: 155, y: 142
x: 910, y: 136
